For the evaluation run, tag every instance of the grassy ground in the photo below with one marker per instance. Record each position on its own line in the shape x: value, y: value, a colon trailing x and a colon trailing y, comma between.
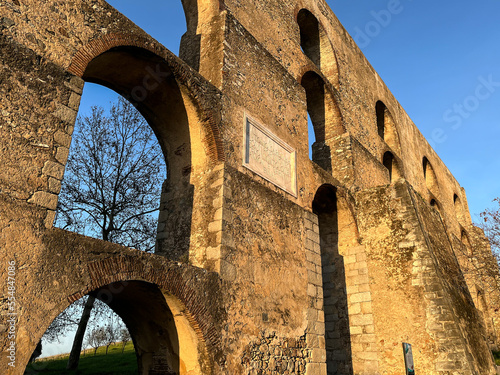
x: 497, y: 357
x: 112, y: 364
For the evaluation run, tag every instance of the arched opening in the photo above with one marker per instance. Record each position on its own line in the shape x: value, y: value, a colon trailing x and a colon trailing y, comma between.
x: 430, y: 177
x: 323, y: 117
x: 436, y: 205
x: 309, y: 36
x: 386, y: 127
x: 316, y: 115
x: 105, y: 334
x: 380, y: 111
x: 337, y: 333
x: 199, y: 22
x: 481, y: 301
x: 164, y: 340
x: 316, y: 45
x: 463, y: 253
x: 173, y: 112
x: 388, y: 161
x: 467, y: 247
x: 113, y: 152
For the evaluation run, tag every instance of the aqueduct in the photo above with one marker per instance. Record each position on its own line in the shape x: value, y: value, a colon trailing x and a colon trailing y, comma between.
x: 267, y: 262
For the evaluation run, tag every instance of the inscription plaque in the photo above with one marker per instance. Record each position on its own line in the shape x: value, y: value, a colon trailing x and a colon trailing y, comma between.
x: 269, y: 157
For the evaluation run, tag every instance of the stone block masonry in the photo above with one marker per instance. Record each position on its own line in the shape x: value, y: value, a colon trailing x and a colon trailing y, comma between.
x: 268, y: 261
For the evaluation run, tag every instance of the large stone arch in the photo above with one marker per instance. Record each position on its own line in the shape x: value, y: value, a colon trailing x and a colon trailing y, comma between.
x: 182, y: 108
x: 195, y: 90
x: 173, y: 311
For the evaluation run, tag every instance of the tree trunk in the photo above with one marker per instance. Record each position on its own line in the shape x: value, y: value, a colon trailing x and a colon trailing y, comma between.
x: 74, y: 356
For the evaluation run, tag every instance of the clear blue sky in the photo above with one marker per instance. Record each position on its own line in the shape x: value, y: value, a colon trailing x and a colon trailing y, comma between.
x: 433, y: 55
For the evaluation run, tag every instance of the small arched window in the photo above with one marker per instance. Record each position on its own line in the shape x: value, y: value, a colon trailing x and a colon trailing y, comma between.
x: 467, y: 247
x: 317, y: 46
x: 380, y: 109
x: 309, y: 36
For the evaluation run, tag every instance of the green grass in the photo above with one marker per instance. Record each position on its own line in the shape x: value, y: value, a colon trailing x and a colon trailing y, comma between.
x: 113, y: 363
x: 496, y: 355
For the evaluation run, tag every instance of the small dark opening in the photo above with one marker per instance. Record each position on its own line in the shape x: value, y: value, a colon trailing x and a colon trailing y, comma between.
x: 425, y: 163
x: 380, y: 109
x: 388, y: 162
x: 315, y: 96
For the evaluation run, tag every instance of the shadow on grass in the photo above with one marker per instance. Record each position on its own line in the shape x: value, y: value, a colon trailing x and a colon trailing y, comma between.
x: 114, y: 363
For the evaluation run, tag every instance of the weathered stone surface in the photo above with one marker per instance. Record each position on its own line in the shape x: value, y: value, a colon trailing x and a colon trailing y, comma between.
x: 53, y: 169
x: 327, y: 272
x: 65, y: 114
x: 44, y: 199
x: 62, y: 138
x: 54, y: 185
x: 62, y: 155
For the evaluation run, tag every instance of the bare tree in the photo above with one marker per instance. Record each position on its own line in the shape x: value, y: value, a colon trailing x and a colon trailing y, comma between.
x: 112, y: 185
x: 96, y: 338
x: 125, y: 337
x: 112, y: 182
x: 70, y: 318
x: 490, y: 223
x: 487, y: 262
x: 112, y: 334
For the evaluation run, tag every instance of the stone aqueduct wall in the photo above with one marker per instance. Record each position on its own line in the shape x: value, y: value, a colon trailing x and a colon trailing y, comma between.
x: 328, y: 278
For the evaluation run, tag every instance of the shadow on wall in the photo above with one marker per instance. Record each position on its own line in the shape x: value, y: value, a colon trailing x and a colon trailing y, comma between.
x: 337, y: 333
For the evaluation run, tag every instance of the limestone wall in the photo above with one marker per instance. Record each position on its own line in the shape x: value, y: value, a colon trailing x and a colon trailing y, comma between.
x: 276, y: 264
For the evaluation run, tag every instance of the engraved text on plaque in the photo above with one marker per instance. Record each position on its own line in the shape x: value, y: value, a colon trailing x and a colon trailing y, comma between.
x: 270, y: 157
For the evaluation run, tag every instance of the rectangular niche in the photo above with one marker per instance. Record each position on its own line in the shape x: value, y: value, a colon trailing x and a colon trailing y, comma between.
x: 268, y: 156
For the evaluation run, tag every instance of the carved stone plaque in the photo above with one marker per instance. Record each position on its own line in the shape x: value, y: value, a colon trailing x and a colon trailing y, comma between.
x: 269, y: 157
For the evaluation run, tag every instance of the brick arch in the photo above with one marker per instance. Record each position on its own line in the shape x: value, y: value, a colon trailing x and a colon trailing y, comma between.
x: 203, y: 95
x: 189, y: 285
